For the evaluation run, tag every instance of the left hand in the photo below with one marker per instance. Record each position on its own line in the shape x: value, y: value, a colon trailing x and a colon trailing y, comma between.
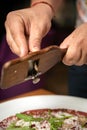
x: 25, y: 28
x: 76, y: 44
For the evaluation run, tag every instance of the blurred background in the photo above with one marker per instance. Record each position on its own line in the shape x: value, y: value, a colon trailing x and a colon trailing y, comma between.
x: 56, y: 79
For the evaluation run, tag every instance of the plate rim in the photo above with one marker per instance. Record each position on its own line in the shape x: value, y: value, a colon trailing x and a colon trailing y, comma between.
x: 42, y: 105
x: 33, y: 96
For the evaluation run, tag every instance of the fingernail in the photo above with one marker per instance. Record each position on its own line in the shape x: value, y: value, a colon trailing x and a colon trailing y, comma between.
x: 35, y: 48
x: 23, y: 53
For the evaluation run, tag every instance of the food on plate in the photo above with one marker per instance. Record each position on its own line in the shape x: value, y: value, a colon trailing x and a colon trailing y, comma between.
x: 46, y: 119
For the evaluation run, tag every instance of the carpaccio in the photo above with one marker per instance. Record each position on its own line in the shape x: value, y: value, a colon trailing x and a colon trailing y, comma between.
x: 46, y: 119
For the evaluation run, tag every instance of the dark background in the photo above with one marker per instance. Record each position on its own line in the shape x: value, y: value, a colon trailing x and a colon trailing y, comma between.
x: 9, y: 5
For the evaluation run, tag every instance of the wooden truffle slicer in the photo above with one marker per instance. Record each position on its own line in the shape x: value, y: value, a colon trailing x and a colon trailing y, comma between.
x: 30, y: 67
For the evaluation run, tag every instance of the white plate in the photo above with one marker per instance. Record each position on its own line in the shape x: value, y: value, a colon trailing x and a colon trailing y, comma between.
x: 35, y: 102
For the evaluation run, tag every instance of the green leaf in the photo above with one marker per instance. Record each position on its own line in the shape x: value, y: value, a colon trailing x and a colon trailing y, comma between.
x: 24, y: 117
x: 24, y: 128
x: 28, y: 118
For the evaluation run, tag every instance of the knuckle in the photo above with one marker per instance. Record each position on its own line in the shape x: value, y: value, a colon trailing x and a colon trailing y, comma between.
x: 68, y: 61
x: 9, y: 15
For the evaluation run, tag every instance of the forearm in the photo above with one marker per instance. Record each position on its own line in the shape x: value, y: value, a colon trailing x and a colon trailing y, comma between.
x: 55, y: 3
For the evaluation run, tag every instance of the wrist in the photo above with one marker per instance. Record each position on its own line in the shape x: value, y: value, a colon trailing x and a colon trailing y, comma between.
x: 54, y: 3
x: 44, y: 4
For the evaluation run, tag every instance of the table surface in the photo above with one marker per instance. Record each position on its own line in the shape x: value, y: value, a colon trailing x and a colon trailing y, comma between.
x: 32, y: 93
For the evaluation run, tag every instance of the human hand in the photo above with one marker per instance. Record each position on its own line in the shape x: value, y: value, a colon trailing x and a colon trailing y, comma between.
x: 25, y: 28
x: 76, y: 44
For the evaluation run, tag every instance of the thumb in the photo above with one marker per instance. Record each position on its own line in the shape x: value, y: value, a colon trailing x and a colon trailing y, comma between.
x: 64, y: 44
x: 35, y: 39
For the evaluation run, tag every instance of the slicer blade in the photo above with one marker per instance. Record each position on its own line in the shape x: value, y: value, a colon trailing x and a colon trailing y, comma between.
x: 30, y: 67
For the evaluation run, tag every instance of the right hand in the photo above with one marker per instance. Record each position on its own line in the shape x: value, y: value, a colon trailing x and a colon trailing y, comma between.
x: 25, y: 28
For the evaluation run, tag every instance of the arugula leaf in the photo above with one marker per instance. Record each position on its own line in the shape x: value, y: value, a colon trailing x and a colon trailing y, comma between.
x: 24, y: 117
x: 24, y: 128
x: 20, y: 128
x: 28, y: 118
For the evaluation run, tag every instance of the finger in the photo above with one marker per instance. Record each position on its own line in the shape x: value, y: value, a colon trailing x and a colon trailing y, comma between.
x: 65, y: 43
x: 18, y: 35
x: 11, y: 43
x: 72, y: 56
x: 35, y: 38
x: 83, y: 58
